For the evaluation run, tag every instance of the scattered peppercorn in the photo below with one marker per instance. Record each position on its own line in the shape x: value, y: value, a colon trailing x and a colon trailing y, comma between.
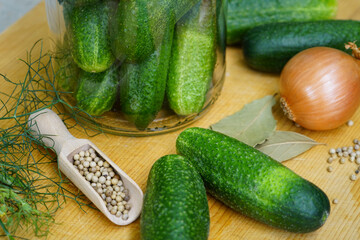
x: 335, y: 201
x: 330, y: 160
x: 353, y: 177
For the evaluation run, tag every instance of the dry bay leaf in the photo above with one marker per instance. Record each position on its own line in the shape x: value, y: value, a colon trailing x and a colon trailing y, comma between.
x: 252, y: 124
x: 284, y: 145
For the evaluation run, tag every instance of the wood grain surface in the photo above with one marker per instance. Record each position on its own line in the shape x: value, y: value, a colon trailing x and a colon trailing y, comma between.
x: 136, y: 155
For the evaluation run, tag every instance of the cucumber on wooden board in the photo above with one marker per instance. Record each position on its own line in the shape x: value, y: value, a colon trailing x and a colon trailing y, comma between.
x: 142, y: 85
x: 97, y: 92
x: 89, y: 37
x: 251, y: 182
x: 139, y: 26
x: 193, y: 59
x: 269, y: 47
x: 245, y: 14
x: 175, y: 204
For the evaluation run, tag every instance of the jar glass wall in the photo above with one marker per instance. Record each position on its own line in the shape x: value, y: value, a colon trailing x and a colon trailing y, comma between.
x: 139, y: 67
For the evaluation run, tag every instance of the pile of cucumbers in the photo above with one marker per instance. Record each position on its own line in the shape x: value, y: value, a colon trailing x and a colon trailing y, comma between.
x: 136, y: 53
x: 243, y: 178
x: 273, y: 31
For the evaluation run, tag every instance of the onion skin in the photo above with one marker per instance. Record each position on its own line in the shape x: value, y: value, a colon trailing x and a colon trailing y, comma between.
x: 320, y: 88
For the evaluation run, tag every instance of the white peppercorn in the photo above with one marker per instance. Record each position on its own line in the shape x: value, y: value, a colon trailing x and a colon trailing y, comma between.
x: 89, y: 176
x: 86, y: 164
x: 82, y: 153
x: 102, y: 179
x: 353, y: 177
x: 114, y: 181
x: 94, y: 179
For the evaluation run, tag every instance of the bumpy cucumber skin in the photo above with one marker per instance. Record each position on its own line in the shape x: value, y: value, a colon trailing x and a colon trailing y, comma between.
x: 97, y: 91
x: 136, y: 44
x: 142, y: 85
x: 175, y: 204
x: 193, y: 59
x: 140, y: 26
x: 246, y: 14
x: 89, y: 36
x: 253, y: 183
x: 269, y: 47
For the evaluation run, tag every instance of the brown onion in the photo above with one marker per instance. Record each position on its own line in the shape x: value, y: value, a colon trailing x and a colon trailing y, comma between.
x: 320, y: 87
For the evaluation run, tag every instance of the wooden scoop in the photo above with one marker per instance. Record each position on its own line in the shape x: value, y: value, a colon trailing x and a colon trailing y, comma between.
x: 47, y: 125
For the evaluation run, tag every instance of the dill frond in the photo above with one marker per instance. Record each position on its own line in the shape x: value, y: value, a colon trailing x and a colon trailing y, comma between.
x: 32, y: 187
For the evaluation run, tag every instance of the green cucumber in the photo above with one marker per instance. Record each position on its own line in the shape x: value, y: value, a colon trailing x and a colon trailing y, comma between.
x: 193, y: 59
x: 175, y: 204
x: 269, y: 47
x: 246, y: 14
x: 89, y: 36
x: 97, y: 91
x: 139, y: 26
x: 132, y: 39
x: 251, y: 182
x: 142, y: 85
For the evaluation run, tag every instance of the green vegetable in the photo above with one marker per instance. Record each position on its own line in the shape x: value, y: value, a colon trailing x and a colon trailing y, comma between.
x: 140, y: 26
x: 246, y: 14
x: 97, y: 91
x: 253, y: 183
x: 175, y: 203
x: 193, y: 59
x: 89, y: 37
x: 269, y: 47
x: 142, y: 85
x: 132, y: 38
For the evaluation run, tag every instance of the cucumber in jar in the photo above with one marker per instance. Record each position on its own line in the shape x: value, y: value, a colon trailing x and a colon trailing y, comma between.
x: 193, y: 59
x: 139, y: 25
x: 97, y: 92
x: 89, y: 37
x: 142, y: 85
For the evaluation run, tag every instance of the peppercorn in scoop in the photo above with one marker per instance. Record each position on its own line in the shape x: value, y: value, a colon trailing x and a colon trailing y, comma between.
x: 106, y: 182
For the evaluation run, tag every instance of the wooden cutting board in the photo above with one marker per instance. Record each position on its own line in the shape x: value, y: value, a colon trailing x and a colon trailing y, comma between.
x: 136, y: 155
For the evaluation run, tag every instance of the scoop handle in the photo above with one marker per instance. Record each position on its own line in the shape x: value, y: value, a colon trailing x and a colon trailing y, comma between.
x: 47, y: 126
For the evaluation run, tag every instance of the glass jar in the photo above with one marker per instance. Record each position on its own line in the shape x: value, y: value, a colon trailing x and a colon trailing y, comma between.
x: 139, y: 67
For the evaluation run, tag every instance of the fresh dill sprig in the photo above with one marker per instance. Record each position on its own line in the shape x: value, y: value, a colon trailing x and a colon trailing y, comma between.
x: 32, y: 187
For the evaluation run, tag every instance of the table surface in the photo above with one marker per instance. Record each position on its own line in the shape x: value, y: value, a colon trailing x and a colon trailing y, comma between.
x: 136, y: 155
